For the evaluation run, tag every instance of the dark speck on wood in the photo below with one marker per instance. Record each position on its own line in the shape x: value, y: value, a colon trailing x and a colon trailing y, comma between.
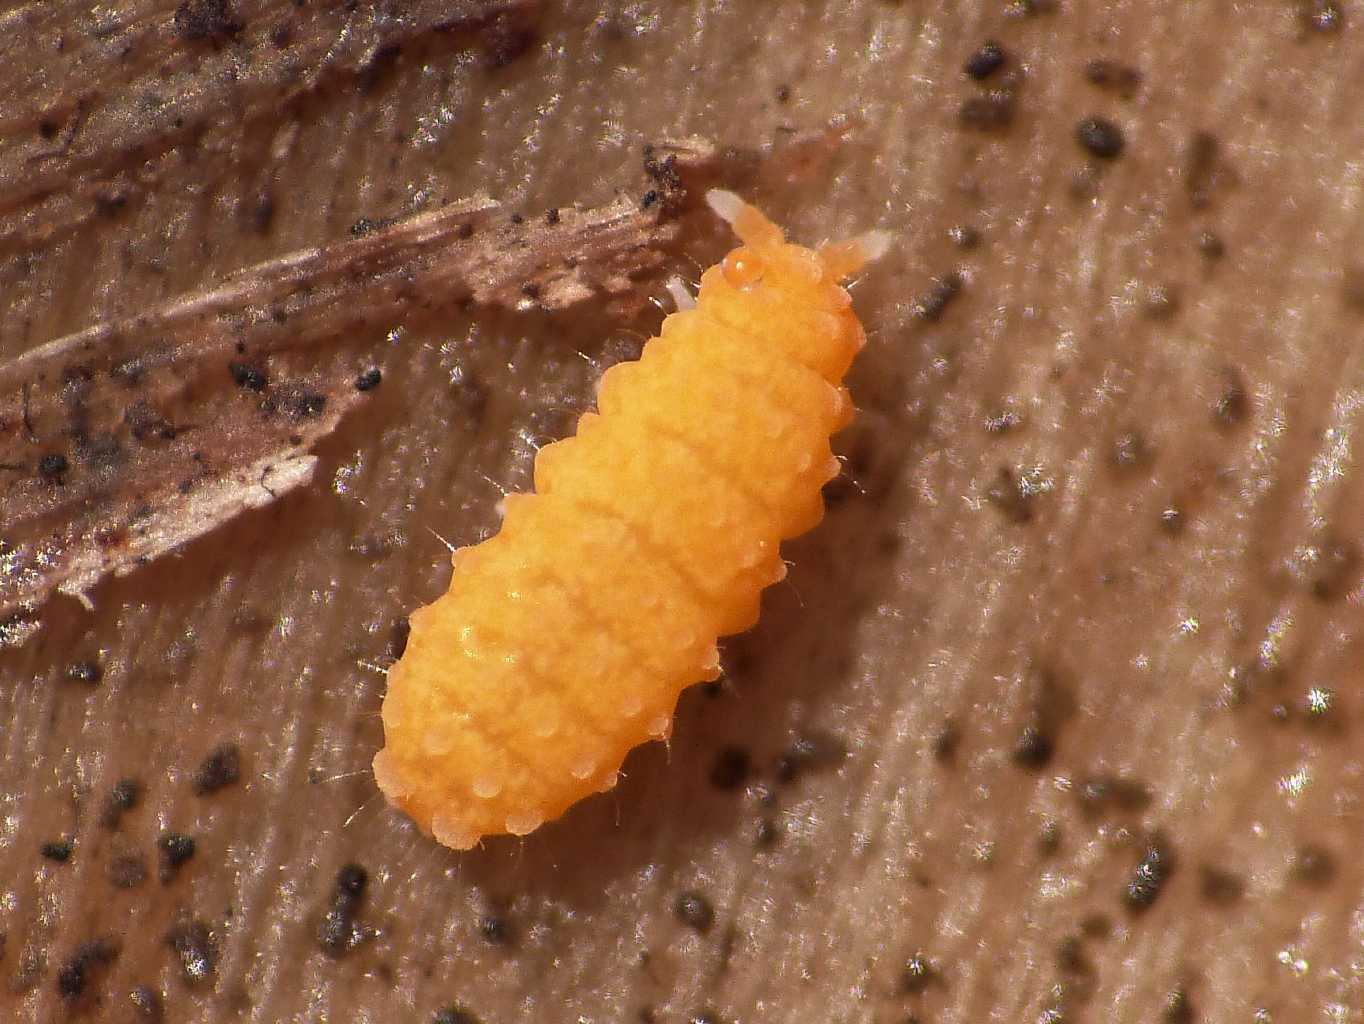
x: 695, y: 911
x: 1149, y: 878
x: 220, y: 769
x: 1100, y: 137
x: 985, y: 61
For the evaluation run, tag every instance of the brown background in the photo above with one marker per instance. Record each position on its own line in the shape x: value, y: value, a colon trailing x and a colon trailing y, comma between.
x: 1056, y: 716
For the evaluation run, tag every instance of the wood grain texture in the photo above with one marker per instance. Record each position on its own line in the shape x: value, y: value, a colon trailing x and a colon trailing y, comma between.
x: 1057, y: 715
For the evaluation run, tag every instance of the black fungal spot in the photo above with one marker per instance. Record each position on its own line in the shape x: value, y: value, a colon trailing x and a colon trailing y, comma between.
x: 89, y: 957
x: 58, y: 850
x: 1113, y: 76
x: 666, y: 178
x: 197, y: 948
x: 948, y: 740
x: 454, y: 1015
x: 496, y: 930
x: 811, y: 752
x: 552, y: 216
x: 1034, y: 748
x: 176, y: 849
x: 730, y: 768
x: 1220, y: 887
x: 934, y: 303
x: 340, y: 930
x: 206, y: 19
x: 1100, y: 137
x: 249, y: 377
x: 52, y: 467
x: 985, y: 61
x: 148, y: 1003
x: 88, y: 672
x: 47, y: 129
x: 919, y: 974
x: 1150, y: 877
x: 1314, y: 865
x: 127, y: 871
x: 220, y: 769
x: 126, y: 795
x: 695, y: 911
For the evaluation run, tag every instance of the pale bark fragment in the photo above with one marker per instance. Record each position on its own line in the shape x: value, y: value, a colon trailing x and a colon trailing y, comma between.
x: 126, y: 440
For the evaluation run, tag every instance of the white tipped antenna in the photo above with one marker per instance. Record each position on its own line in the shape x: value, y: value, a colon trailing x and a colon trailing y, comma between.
x: 726, y: 204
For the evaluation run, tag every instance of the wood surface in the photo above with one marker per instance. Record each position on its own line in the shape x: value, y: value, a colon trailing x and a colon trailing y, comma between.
x: 1056, y: 717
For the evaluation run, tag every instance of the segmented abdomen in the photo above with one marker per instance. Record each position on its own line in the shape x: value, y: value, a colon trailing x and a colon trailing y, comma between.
x: 566, y: 638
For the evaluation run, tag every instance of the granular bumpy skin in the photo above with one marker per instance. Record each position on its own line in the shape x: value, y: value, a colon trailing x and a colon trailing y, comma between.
x: 565, y: 640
